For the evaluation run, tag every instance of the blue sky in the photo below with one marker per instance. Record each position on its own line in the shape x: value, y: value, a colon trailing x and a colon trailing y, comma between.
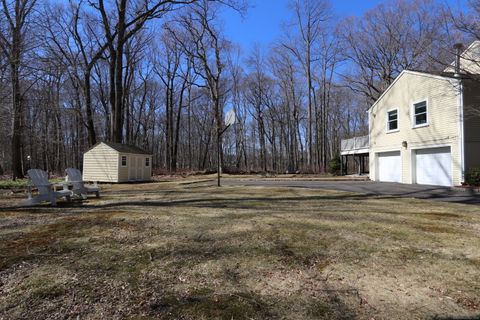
x: 263, y: 21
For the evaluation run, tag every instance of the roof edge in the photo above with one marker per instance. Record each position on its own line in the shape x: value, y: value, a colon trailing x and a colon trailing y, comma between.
x: 417, y: 73
x: 115, y: 147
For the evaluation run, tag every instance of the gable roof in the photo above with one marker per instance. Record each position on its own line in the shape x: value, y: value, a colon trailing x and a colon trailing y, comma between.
x: 122, y: 148
x: 449, y: 72
x: 437, y: 75
x: 470, y: 53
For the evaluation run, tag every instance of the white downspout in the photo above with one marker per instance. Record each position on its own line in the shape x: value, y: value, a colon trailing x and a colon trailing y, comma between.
x: 462, y: 131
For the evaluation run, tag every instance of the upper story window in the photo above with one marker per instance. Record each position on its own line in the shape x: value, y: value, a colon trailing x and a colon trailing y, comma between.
x: 392, y: 120
x: 420, y: 117
x: 124, y: 161
x: 147, y: 162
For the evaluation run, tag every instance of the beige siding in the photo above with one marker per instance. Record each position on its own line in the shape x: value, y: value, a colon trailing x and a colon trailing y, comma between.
x: 148, y: 170
x: 443, y: 121
x: 101, y: 164
x: 136, y: 170
x: 469, y: 60
x: 104, y: 164
x: 123, y: 170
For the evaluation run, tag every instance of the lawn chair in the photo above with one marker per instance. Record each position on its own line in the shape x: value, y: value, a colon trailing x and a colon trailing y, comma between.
x: 74, y: 178
x: 39, y: 179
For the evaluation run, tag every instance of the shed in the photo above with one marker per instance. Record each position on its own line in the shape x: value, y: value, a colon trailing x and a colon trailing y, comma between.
x: 116, y: 162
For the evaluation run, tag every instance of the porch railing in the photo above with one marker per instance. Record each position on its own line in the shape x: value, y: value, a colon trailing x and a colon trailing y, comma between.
x: 355, y: 145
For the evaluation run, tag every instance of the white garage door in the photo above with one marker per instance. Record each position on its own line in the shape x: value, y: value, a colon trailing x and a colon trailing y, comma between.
x: 389, y: 167
x: 433, y: 166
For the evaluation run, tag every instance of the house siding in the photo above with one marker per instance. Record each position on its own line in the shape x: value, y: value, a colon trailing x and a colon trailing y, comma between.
x: 443, y: 105
x: 468, y: 60
x: 100, y: 164
x: 472, y: 123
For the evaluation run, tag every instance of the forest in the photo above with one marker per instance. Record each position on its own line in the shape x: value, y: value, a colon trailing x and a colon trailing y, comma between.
x: 162, y: 74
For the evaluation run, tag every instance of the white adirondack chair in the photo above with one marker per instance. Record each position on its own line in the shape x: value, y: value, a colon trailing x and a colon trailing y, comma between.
x: 39, y: 179
x: 74, y: 177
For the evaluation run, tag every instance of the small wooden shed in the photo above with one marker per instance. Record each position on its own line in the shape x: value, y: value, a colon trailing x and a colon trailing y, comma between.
x: 116, y: 162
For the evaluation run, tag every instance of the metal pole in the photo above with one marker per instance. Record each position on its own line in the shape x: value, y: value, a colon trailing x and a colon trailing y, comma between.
x: 219, y: 150
x: 219, y: 164
x: 341, y: 165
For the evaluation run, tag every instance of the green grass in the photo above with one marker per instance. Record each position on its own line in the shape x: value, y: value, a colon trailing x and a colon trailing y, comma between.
x: 10, y: 184
x: 21, y: 183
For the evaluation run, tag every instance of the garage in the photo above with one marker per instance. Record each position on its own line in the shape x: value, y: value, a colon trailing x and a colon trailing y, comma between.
x: 433, y: 166
x: 389, y: 167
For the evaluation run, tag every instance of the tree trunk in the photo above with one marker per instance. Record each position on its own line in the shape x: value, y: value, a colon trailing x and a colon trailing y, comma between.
x: 17, y: 170
x: 92, y: 137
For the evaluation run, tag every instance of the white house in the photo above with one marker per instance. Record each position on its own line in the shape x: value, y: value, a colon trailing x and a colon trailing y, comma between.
x: 116, y: 162
x: 425, y: 127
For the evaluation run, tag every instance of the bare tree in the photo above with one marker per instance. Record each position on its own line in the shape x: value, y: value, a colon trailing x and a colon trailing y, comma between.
x: 72, y: 32
x: 310, y: 19
x: 258, y: 95
x: 388, y: 39
x: 16, y: 16
x: 204, y: 43
x: 121, y: 21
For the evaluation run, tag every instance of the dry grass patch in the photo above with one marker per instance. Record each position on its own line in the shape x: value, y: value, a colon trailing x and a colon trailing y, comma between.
x: 187, y: 250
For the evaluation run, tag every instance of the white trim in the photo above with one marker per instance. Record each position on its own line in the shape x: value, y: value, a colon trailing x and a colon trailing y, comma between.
x: 388, y: 122
x: 386, y: 150
x: 417, y: 73
x: 432, y: 146
x: 376, y: 163
x: 413, y: 157
x: 461, y: 141
x: 356, y: 151
x: 413, y: 164
x: 369, y: 133
x: 412, y: 109
x: 393, y: 131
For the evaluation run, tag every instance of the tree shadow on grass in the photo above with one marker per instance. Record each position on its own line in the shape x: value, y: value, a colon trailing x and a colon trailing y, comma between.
x: 364, y: 192
x: 475, y: 317
x: 204, y: 301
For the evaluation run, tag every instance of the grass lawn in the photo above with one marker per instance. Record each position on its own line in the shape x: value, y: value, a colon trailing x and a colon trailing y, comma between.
x: 10, y: 184
x: 21, y: 183
x: 179, y: 250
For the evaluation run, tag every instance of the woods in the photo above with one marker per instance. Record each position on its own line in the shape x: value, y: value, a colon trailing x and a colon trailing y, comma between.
x: 162, y: 75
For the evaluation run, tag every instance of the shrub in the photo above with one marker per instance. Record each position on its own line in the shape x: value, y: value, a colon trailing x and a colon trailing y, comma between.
x: 335, y: 166
x: 472, y: 176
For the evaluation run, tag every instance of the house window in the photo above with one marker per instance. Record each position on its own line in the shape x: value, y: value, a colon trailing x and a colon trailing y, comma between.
x: 420, y: 114
x: 147, y: 162
x: 392, y: 120
x: 124, y: 161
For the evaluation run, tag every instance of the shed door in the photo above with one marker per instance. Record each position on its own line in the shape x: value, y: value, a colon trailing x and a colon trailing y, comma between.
x: 389, y: 167
x: 433, y: 166
x: 131, y: 169
x: 139, y: 168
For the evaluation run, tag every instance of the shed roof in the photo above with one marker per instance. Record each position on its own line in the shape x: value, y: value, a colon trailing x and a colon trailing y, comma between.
x: 122, y: 148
